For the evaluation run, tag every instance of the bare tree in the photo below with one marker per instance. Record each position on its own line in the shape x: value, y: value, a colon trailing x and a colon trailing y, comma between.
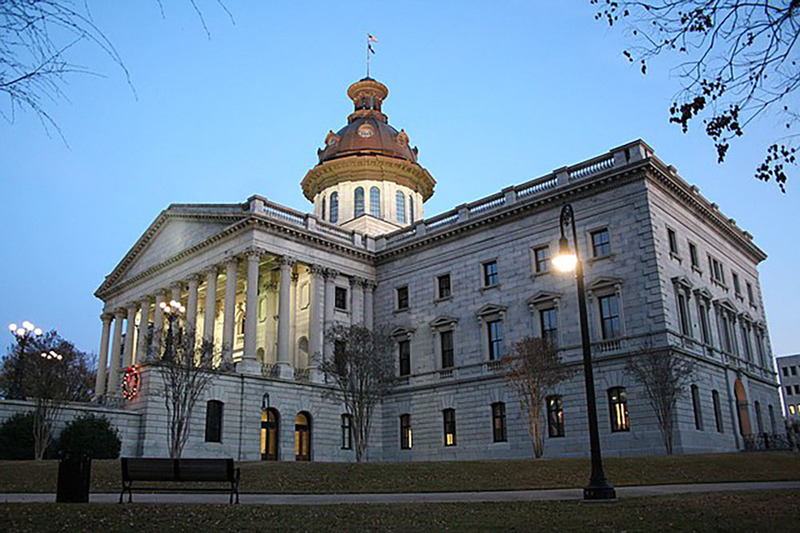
x: 664, y: 375
x: 185, y: 374
x: 738, y: 60
x: 362, y: 372
x: 533, y: 368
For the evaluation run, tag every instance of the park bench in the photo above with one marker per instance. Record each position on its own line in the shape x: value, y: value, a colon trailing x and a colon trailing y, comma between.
x: 178, y: 470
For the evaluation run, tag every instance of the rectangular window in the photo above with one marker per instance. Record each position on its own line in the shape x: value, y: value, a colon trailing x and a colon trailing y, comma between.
x: 726, y: 333
x: 698, y: 414
x: 347, y: 432
x: 683, y: 315
x: 548, y: 322
x: 618, y: 407
x: 340, y: 298
x: 794, y: 370
x: 446, y: 339
x: 737, y: 289
x: 443, y: 286
x: 402, y: 298
x: 555, y: 416
x: 339, y: 357
x: 495, y: 330
x: 717, y: 410
x: 673, y: 241
x: 404, y: 349
x: 541, y: 257
x: 214, y: 421
x: 499, y: 422
x: 449, y: 416
x: 748, y: 350
x: 750, y: 298
x: 788, y: 390
x: 704, y: 325
x: 693, y: 255
x: 786, y: 371
x: 797, y: 389
x: 717, y: 273
x: 406, y: 437
x: 490, y: 274
x: 601, y: 243
x: 609, y: 316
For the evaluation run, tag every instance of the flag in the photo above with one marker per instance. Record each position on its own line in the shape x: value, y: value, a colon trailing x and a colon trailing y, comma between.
x: 369, y: 47
x: 371, y: 38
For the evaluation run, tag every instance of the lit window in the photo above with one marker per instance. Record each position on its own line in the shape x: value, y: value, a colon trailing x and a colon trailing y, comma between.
x: 717, y: 410
x: 400, y: 201
x: 698, y: 414
x: 446, y: 338
x: 618, y: 407
x: 693, y: 255
x: 490, y: 277
x: 340, y: 298
x: 601, y: 243
x: 334, y: 215
x: 443, y: 286
x: 358, y: 202
x: 673, y: 241
x: 214, y: 421
x: 375, y: 202
x: 449, y: 416
x: 404, y: 352
x: 555, y: 416
x: 548, y: 322
x: 499, y: 422
x: 541, y: 257
x: 609, y: 316
x: 406, y: 437
x: 791, y: 409
x: 347, y: 432
x: 495, y: 330
x: 402, y: 297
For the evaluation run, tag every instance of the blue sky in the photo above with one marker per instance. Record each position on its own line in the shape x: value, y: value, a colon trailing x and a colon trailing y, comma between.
x: 492, y: 93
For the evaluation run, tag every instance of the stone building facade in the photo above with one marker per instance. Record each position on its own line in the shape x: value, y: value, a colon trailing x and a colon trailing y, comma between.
x: 789, y: 374
x: 665, y: 270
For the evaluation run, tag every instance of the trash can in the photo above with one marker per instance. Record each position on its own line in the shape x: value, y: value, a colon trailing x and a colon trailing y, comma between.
x: 74, y: 477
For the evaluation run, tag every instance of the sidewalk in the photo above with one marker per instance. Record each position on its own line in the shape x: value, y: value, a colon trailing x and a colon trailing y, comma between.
x: 415, y: 497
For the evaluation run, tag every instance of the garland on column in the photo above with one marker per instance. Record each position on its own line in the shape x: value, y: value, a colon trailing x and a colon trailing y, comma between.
x: 130, y: 383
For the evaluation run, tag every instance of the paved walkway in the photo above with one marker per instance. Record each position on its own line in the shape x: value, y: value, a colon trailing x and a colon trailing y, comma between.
x: 415, y: 497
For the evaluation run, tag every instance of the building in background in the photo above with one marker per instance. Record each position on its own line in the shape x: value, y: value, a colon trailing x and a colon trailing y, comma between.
x: 789, y: 375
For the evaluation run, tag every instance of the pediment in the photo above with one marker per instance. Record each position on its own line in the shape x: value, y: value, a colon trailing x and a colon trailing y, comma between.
x: 683, y: 281
x: 703, y: 293
x: 726, y: 303
x: 402, y: 331
x: 543, y: 297
x: 491, y: 309
x: 443, y: 321
x: 603, y: 283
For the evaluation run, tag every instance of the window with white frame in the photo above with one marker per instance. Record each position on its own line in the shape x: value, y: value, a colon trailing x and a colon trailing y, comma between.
x: 402, y: 298
x: 695, y: 261
x: 610, y: 327
x: 548, y: 325
x: 601, y: 243
x: 490, y: 276
x: 443, y: 288
x: 541, y: 259
x: 495, y: 338
x: 404, y: 356
x: 672, y: 238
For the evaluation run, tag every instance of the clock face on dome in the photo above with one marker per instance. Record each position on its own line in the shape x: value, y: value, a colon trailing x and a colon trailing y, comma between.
x: 366, y: 131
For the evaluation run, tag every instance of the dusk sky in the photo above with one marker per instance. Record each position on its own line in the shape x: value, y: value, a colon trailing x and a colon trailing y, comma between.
x: 492, y: 93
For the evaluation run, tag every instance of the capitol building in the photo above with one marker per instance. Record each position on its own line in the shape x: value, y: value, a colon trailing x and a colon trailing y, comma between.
x: 665, y: 270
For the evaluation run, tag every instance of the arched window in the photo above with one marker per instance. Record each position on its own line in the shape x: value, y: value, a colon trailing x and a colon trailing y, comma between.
x: 358, y: 202
x: 400, y: 199
x: 334, y: 216
x: 410, y: 209
x: 302, y: 437
x: 323, y: 208
x: 375, y: 202
x: 214, y: 421
x: 270, y: 422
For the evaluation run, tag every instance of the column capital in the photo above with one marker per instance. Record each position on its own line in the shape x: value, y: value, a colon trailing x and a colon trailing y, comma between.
x: 176, y: 285
x: 295, y: 277
x: 144, y: 301
x: 253, y: 252
x: 370, y: 284
x: 106, y: 317
x: 232, y: 260
x: 132, y: 307
x: 357, y: 280
x: 211, y: 270
x: 194, y: 278
x: 316, y: 270
x: 331, y: 273
x: 120, y: 312
x: 286, y: 261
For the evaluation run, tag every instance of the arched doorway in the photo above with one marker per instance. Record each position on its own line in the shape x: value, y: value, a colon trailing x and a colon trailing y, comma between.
x: 270, y: 422
x: 741, y: 409
x: 302, y: 437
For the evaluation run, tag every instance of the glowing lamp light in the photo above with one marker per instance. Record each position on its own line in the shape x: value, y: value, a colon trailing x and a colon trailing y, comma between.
x: 566, y: 260
x: 21, y: 331
x: 37, y: 331
x: 13, y: 328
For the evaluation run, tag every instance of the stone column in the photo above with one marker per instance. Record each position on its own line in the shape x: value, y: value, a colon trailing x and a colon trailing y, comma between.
x: 211, y: 304
x: 130, y: 331
x: 330, y: 308
x: 144, y: 316
x: 270, y: 333
x: 175, y: 291
x: 293, y: 320
x: 357, y: 300
x: 315, y: 321
x: 230, y: 312
x: 116, y: 345
x: 100, y: 381
x: 191, y: 308
x: 369, y: 287
x: 158, y: 327
x: 285, y: 369
x: 249, y: 363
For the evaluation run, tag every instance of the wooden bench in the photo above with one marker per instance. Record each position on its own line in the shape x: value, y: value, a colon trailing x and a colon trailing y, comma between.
x: 178, y: 470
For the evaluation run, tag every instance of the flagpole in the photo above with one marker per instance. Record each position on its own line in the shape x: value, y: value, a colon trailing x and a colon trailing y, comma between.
x: 368, y: 56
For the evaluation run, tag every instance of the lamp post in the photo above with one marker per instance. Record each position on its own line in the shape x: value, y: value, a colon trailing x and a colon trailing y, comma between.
x: 24, y: 334
x: 566, y: 261
x: 172, y: 310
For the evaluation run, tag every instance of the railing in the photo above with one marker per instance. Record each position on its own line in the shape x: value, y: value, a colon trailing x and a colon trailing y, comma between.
x: 284, y: 213
x: 608, y: 346
x: 494, y: 366
x: 536, y: 186
x: 269, y: 370
x: 442, y: 220
x: 334, y: 231
x: 302, y: 374
x: 488, y: 204
x: 446, y: 374
x: 591, y: 167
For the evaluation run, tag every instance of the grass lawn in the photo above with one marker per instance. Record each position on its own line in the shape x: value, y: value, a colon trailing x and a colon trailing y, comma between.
x: 291, y: 477
x: 742, y: 511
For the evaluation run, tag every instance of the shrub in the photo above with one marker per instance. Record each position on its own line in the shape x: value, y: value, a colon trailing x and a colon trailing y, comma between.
x: 16, y: 437
x: 91, y: 434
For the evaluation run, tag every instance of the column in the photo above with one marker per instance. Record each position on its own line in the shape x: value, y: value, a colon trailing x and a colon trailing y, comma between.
x: 144, y: 319
x: 285, y: 369
x: 293, y: 320
x: 249, y: 363
x: 100, y: 381
x: 210, y: 313
x: 191, y: 309
x: 175, y: 290
x: 315, y: 321
x: 330, y: 309
x: 369, y: 287
x: 158, y: 327
x: 230, y: 312
x: 116, y: 345
x: 130, y: 331
x: 357, y: 300
x: 270, y: 332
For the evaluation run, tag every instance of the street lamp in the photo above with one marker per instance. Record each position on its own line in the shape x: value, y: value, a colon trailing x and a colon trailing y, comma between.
x: 172, y: 310
x: 24, y: 334
x: 568, y: 260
